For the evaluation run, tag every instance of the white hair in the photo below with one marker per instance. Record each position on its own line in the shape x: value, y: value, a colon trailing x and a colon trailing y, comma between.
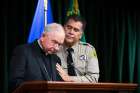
x: 53, y: 27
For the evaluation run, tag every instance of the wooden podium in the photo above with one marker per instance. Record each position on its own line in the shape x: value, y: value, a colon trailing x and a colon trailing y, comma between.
x: 73, y: 87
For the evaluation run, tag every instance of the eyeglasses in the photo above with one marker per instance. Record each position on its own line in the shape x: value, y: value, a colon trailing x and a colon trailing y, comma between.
x: 56, y: 44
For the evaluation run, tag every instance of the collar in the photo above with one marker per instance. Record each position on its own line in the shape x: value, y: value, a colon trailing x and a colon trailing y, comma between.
x: 74, y: 47
x: 41, y: 46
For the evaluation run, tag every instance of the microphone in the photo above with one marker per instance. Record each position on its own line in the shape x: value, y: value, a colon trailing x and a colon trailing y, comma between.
x: 72, y: 64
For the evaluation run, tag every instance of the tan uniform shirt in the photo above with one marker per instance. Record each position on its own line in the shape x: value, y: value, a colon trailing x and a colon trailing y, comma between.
x: 85, y: 62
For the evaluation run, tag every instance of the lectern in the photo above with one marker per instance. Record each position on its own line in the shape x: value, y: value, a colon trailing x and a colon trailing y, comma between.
x: 73, y: 87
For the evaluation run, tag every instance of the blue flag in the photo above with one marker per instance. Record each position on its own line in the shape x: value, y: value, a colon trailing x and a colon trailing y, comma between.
x: 39, y: 20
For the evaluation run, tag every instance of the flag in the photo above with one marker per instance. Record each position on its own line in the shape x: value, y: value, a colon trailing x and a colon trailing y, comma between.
x: 74, y: 9
x: 41, y: 16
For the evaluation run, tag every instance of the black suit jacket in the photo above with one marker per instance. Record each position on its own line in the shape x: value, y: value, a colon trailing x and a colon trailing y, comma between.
x: 28, y: 63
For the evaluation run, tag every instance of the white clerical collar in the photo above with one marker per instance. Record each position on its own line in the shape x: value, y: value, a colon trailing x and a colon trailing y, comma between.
x: 41, y: 46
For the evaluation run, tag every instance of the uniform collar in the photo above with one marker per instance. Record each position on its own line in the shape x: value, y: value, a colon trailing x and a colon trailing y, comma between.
x: 74, y: 47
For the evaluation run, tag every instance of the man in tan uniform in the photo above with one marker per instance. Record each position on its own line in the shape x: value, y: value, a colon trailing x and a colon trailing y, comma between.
x: 84, y: 56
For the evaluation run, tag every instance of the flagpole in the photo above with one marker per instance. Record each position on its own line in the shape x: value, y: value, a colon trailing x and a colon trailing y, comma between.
x: 45, y: 11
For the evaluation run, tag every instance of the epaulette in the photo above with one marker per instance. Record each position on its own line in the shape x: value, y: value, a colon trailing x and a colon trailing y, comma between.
x: 86, y: 44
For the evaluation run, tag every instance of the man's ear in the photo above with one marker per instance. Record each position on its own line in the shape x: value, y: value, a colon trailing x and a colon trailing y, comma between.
x: 43, y: 34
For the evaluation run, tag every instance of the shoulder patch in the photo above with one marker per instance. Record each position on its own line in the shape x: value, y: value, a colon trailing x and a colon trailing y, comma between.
x: 93, y: 53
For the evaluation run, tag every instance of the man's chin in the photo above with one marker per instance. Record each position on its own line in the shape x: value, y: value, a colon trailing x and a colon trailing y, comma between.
x: 52, y: 52
x: 69, y: 40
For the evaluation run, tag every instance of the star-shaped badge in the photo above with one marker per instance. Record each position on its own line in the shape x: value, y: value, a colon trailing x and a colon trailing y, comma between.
x: 83, y: 57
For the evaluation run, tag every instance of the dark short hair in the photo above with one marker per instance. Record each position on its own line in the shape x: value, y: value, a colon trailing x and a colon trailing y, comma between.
x: 76, y: 18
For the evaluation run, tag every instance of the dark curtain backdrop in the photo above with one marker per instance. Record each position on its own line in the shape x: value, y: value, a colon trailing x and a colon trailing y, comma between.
x: 113, y: 28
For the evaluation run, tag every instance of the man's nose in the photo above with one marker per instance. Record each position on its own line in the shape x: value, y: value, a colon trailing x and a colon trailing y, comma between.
x: 71, y: 31
x: 56, y: 47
